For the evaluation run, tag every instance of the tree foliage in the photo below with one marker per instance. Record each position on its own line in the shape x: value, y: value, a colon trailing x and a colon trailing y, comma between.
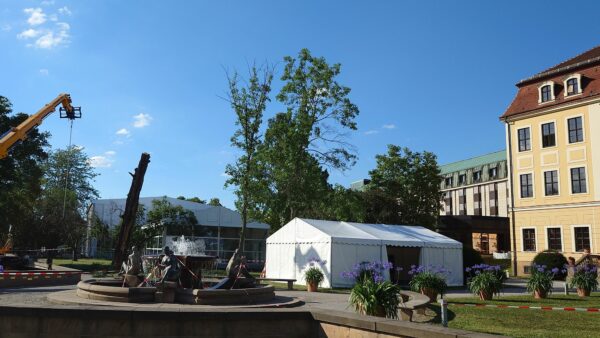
x: 404, y: 188
x: 21, y: 176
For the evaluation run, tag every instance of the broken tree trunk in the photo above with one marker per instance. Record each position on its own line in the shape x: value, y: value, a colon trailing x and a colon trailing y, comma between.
x: 131, y: 207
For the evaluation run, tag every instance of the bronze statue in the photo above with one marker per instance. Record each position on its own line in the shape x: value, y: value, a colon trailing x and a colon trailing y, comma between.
x: 170, y: 266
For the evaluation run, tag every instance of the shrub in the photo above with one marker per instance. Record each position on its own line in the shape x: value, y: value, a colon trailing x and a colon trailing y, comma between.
x: 541, y: 278
x: 485, y: 278
x: 428, y: 277
x: 585, y: 277
x: 367, y: 270
x: 375, y: 298
x: 551, y: 260
x: 313, y: 274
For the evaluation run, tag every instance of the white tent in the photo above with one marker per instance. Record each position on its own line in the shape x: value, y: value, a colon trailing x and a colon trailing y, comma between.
x: 340, y: 245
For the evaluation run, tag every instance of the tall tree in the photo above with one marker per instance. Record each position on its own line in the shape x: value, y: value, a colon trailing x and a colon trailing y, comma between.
x: 67, y: 193
x: 248, y: 101
x: 215, y: 202
x: 20, y: 179
x: 404, y: 188
x: 308, y: 137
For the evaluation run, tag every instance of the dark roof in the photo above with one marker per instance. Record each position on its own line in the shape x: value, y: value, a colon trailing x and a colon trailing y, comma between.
x: 587, y: 64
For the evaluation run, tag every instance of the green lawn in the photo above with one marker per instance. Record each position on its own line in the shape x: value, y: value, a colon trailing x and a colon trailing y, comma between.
x: 85, y: 264
x: 526, y: 322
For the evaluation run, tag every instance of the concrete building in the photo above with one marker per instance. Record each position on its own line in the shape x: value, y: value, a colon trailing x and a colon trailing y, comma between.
x: 553, y: 140
x: 475, y: 202
x: 217, y: 230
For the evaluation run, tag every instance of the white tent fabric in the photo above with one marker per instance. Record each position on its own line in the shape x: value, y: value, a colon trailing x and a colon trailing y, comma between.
x: 340, y: 245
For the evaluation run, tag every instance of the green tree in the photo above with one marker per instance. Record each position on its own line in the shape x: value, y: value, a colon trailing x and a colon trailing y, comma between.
x: 344, y: 204
x: 162, y: 218
x: 249, y: 102
x: 404, y: 188
x: 192, y: 199
x: 215, y: 202
x: 20, y: 179
x: 67, y: 193
x: 300, y: 142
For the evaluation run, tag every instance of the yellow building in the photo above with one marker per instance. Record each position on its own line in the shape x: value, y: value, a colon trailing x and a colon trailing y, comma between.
x: 553, y: 142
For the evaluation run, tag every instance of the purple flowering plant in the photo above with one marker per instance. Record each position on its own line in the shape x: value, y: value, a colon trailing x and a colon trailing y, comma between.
x: 585, y: 277
x: 368, y: 270
x: 428, y: 277
x: 485, y: 278
x: 541, y: 278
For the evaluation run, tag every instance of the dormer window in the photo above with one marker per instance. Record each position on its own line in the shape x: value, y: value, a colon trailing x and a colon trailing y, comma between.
x: 546, y: 92
x: 573, y: 85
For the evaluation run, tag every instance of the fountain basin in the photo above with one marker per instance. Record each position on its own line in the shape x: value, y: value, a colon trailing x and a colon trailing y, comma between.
x: 111, y: 290
x: 247, y: 296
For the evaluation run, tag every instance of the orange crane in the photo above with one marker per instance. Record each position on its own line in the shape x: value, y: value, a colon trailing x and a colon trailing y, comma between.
x: 19, y: 133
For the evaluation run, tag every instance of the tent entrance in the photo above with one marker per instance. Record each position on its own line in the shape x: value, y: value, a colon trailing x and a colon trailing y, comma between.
x: 402, y: 257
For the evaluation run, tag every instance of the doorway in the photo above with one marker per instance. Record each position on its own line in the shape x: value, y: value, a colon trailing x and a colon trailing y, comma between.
x: 402, y: 257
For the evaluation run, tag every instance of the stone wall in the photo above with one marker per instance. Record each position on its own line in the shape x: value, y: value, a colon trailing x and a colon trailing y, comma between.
x: 53, y: 321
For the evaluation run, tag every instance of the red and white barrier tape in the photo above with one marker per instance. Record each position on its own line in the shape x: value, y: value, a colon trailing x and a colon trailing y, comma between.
x: 549, y: 308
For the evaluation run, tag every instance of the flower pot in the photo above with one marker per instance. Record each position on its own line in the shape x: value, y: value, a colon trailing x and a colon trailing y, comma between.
x: 312, y: 286
x: 379, y: 311
x: 583, y: 292
x: 539, y: 294
x: 431, y: 293
x: 486, y: 295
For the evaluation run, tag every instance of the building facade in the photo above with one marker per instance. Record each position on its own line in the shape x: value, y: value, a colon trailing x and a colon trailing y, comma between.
x: 217, y: 231
x: 553, y: 140
x: 474, y: 209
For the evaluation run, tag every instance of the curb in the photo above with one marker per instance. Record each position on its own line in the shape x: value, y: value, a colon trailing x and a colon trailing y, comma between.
x: 527, y: 307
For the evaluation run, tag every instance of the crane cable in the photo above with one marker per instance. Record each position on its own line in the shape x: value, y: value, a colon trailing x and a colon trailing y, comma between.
x: 68, y: 171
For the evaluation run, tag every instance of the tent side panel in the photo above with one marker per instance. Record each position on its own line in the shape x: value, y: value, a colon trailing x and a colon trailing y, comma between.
x: 304, y: 252
x: 280, y: 260
x: 345, y: 256
x: 451, y: 259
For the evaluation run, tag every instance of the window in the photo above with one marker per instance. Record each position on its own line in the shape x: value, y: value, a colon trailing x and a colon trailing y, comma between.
x: 582, y: 238
x: 448, y: 204
x: 526, y: 186
x: 572, y: 86
x: 477, y: 176
x: 448, y: 181
x: 551, y: 182
x: 493, y: 199
x: 528, y: 239
x: 554, y: 239
x: 546, y: 93
x: 492, y: 173
x: 524, y: 139
x: 477, y: 200
x: 548, y: 135
x: 575, y: 129
x: 462, y: 202
x: 578, y: 184
x: 462, y: 179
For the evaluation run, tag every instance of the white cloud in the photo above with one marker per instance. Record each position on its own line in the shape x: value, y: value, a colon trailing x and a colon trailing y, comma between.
x: 47, y: 2
x: 53, y: 38
x: 371, y: 132
x: 64, y: 11
x: 36, y: 16
x: 141, y: 120
x: 5, y: 28
x: 389, y: 126
x: 29, y: 33
x: 44, y: 72
x: 53, y: 17
x: 123, y: 132
x: 103, y: 161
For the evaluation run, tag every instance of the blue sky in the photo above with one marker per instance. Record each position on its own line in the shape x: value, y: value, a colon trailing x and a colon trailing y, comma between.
x: 429, y: 75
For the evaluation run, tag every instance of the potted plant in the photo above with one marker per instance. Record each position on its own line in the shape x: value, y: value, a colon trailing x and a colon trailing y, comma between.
x: 540, y: 282
x: 485, y: 280
x: 375, y: 298
x: 429, y: 281
x: 585, y: 279
x: 313, y: 275
x: 371, y: 294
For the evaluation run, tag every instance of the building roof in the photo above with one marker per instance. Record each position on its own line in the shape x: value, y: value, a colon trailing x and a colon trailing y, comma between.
x: 109, y: 212
x: 478, y: 161
x: 587, y: 64
x: 304, y: 230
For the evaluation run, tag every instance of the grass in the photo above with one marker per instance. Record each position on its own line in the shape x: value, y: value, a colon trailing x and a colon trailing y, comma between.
x: 526, y: 322
x: 85, y: 264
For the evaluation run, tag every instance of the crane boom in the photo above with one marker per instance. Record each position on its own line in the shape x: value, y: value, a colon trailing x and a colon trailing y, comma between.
x: 19, y: 133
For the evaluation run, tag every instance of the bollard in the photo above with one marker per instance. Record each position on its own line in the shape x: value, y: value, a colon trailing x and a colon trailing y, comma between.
x: 444, y: 308
x: 566, y: 288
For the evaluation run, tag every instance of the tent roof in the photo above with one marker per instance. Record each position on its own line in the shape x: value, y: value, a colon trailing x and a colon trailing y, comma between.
x: 370, y: 234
